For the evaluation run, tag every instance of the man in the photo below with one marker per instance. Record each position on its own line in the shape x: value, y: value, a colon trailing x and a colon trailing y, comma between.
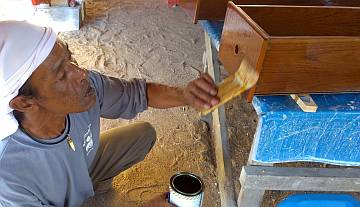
x: 51, y: 150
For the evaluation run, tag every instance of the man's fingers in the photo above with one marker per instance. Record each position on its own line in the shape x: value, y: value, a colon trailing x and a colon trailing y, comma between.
x: 199, y: 104
x: 201, y: 93
x: 196, y: 102
x: 206, y: 86
x: 208, y: 78
x: 204, y: 96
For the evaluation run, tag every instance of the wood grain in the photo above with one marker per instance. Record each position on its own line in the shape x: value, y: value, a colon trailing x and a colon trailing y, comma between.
x: 240, y: 39
x: 305, y: 20
x: 317, y: 52
x: 215, y: 9
x: 220, y: 138
x: 310, y: 65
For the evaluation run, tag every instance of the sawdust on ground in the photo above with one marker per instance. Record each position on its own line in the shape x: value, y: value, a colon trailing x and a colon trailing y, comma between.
x: 146, y: 39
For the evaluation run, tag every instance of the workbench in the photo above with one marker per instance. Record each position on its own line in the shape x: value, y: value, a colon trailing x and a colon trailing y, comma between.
x: 287, y: 134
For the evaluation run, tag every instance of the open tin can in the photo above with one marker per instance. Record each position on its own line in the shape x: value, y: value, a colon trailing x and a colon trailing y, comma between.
x: 186, y: 190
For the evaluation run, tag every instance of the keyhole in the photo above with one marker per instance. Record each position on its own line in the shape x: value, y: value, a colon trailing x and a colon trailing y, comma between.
x: 236, y: 49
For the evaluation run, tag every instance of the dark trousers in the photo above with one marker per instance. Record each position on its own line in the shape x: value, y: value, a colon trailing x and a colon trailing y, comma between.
x: 120, y: 148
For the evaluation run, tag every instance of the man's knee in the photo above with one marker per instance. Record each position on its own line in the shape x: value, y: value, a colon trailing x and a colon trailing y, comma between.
x: 149, y: 132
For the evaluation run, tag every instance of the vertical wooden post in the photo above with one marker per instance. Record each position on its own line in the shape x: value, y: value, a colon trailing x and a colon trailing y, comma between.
x: 222, y: 150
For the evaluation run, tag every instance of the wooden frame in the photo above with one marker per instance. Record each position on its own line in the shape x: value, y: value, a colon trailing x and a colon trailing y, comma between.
x: 256, y: 179
x: 221, y: 144
x: 215, y: 9
x: 295, y: 49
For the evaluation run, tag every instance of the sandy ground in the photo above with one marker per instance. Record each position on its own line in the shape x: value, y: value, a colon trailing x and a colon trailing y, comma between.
x: 146, y: 39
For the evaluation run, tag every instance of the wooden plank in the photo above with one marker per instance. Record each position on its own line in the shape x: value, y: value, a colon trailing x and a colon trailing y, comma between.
x: 222, y: 153
x: 305, y: 102
x: 216, y: 9
x: 311, y: 66
x: 240, y: 40
x: 290, y: 21
x: 211, y: 10
x: 303, y: 179
x: 222, y: 149
x: 295, y: 49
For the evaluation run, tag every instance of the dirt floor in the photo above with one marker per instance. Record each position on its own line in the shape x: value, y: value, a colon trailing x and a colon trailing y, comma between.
x: 146, y: 39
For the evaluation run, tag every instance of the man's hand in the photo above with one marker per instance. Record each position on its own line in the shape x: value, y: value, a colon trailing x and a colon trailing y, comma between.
x: 201, y: 93
x: 158, y: 201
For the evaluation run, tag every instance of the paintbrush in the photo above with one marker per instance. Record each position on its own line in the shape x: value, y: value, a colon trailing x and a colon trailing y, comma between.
x: 234, y: 85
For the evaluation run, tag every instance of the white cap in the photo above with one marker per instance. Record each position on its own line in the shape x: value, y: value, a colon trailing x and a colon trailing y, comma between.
x: 23, y: 47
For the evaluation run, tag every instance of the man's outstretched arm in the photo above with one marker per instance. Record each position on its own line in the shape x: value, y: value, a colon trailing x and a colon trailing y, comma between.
x: 199, y: 93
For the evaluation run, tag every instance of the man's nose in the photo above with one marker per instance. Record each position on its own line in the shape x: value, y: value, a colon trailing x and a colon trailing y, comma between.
x: 81, y: 74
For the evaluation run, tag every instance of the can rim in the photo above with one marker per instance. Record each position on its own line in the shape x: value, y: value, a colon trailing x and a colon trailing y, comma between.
x: 191, y: 175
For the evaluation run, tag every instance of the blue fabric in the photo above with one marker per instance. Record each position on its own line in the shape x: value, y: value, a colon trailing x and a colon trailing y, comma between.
x: 286, y: 134
x: 214, y: 30
x: 320, y: 200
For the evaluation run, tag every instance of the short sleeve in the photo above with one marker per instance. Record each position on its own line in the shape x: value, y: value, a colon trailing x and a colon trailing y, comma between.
x: 119, y: 98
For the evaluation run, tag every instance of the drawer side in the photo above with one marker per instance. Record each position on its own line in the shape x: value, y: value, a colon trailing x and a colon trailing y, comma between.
x: 310, y: 65
x: 239, y: 40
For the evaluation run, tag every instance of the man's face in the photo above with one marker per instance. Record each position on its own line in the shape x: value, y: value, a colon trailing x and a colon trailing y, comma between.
x: 61, y: 86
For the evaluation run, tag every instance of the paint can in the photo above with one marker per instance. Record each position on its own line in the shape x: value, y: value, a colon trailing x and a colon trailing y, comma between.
x: 186, y: 190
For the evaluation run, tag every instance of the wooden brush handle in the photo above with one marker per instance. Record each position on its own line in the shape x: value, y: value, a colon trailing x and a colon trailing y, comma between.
x: 243, y: 79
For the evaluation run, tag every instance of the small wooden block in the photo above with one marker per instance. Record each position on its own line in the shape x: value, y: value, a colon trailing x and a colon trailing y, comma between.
x: 234, y: 85
x: 305, y: 102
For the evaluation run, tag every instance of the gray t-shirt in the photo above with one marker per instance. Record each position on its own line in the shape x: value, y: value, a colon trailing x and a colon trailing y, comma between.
x: 49, y: 173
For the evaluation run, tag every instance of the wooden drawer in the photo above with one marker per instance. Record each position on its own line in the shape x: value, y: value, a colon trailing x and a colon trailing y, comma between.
x: 295, y: 49
x: 215, y: 9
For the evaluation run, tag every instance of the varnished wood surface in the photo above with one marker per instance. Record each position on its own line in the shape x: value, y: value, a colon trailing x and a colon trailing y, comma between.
x: 239, y: 40
x: 310, y: 65
x: 326, y: 58
x: 215, y: 9
x: 305, y: 20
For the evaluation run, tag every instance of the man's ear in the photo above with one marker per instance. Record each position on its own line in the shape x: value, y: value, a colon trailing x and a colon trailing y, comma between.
x: 23, y: 104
